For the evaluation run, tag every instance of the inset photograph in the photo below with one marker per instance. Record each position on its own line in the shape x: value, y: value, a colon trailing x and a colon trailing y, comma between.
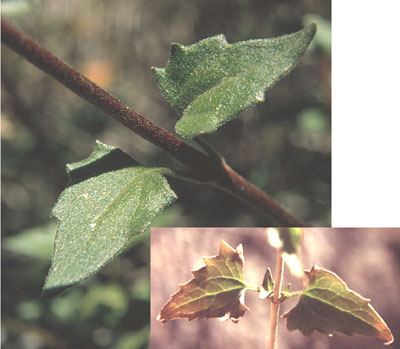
x: 274, y: 287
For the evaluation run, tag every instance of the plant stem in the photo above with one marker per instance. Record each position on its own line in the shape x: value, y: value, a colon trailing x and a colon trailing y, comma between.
x: 83, y: 87
x: 274, y: 307
x: 206, y: 169
x: 234, y: 184
x: 231, y: 182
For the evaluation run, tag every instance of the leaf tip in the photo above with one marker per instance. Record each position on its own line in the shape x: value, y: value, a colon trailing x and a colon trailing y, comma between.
x: 160, y: 320
x: 390, y: 341
x: 222, y: 39
x: 51, y: 292
x: 176, y: 49
x: 311, y: 29
x: 260, y: 97
x: 157, y: 72
x: 239, y: 249
x: 313, y: 25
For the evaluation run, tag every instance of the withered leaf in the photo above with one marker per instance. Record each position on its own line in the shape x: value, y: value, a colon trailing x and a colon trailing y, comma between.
x: 328, y: 305
x: 217, y: 289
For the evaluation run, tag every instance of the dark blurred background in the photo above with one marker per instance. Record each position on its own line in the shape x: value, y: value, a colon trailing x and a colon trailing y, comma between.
x: 282, y: 145
x: 366, y: 259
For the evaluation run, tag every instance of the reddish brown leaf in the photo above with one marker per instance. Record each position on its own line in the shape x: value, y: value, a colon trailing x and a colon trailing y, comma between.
x: 216, y: 290
x: 328, y: 305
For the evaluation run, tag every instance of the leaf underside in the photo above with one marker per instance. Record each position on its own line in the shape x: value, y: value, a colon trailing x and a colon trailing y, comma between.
x: 215, y: 291
x: 327, y: 305
x: 211, y: 81
x: 109, y: 199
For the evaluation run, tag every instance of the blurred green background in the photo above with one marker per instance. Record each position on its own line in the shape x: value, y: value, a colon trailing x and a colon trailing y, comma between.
x: 282, y: 145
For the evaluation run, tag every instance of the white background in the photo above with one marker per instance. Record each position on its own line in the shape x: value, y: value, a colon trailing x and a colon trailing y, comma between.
x: 366, y: 113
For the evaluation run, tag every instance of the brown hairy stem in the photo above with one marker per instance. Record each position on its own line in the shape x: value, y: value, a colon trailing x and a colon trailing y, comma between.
x: 245, y: 191
x: 204, y: 168
x: 112, y: 106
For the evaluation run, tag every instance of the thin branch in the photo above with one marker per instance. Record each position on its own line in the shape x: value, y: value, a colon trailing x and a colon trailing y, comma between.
x: 204, y: 168
x: 247, y: 192
x: 83, y: 87
x: 228, y: 180
x: 275, y: 304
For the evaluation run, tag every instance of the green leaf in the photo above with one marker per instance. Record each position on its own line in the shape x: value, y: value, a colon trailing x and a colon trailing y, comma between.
x: 111, y: 296
x: 211, y: 81
x: 328, y: 305
x: 217, y: 290
x: 35, y: 242
x: 134, y: 339
x: 109, y: 199
x: 286, y: 289
x: 268, y: 282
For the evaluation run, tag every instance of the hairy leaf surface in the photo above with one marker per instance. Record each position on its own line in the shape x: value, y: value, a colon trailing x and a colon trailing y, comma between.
x: 328, y: 305
x: 211, y: 81
x: 217, y: 289
x: 109, y: 199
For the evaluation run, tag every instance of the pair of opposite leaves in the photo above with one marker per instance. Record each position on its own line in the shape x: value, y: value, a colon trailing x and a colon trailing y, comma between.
x: 326, y: 304
x: 111, y: 197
